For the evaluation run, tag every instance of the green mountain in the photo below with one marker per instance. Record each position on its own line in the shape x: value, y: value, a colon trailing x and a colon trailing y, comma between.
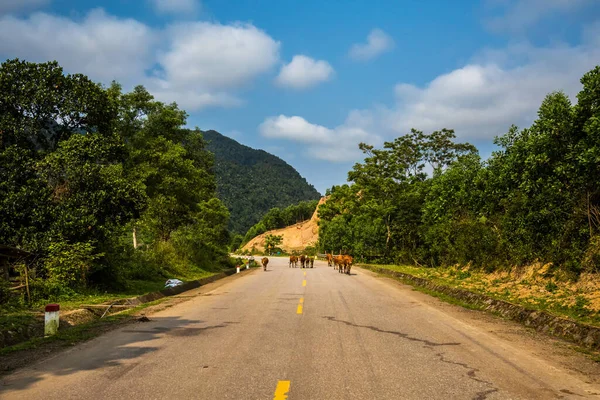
x: 251, y: 182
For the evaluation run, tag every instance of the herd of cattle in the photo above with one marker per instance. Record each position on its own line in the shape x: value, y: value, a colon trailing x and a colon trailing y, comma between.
x: 305, y: 261
x: 341, y: 263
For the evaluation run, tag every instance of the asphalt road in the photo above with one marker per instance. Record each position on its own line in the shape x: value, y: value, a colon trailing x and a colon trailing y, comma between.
x: 304, y: 334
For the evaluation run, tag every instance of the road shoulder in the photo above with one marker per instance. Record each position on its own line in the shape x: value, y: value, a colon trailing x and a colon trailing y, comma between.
x: 557, y: 352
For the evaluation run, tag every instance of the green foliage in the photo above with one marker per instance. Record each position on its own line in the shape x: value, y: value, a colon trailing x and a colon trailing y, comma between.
x: 271, y: 242
x: 236, y: 242
x: 252, y: 182
x: 551, y: 287
x: 84, y: 168
x: 70, y: 264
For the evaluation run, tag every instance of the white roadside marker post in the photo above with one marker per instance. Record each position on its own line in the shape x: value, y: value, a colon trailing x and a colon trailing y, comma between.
x: 51, y: 319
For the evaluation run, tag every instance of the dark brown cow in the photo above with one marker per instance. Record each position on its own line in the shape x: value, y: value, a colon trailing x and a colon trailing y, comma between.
x: 264, y: 262
x: 293, y: 261
x: 302, y: 260
x: 311, y: 260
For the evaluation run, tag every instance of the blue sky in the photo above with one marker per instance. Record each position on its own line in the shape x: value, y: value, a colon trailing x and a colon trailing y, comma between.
x: 309, y: 80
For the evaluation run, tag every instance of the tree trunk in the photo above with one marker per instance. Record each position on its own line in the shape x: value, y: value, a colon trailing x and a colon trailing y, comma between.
x: 389, y: 235
x: 134, y: 238
x: 589, y: 214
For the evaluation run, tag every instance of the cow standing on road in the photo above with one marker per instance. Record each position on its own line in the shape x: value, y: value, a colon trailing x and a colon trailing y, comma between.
x: 329, y: 259
x: 264, y: 263
x: 293, y: 261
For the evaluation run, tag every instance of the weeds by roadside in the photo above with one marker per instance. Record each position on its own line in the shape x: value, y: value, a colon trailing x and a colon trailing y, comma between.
x: 535, y: 287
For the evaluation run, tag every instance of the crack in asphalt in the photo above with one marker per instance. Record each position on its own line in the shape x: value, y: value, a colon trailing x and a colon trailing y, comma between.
x: 471, y: 372
x: 400, y: 334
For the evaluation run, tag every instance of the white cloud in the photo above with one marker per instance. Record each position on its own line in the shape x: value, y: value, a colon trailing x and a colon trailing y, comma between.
x: 191, y: 99
x: 93, y: 46
x: 339, y: 144
x: 517, y: 15
x: 194, y: 64
x: 212, y: 55
x: 176, y: 6
x: 304, y: 72
x: 378, y: 42
x: 205, y: 60
x: 9, y: 6
x: 482, y: 99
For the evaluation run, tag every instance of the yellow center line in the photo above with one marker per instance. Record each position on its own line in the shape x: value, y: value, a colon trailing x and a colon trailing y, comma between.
x: 301, y: 300
x: 304, y: 282
x: 281, y: 392
x: 304, y: 273
x: 299, y: 310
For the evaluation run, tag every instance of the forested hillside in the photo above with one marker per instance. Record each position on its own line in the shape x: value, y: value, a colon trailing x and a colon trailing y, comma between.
x: 102, y: 187
x: 535, y: 199
x: 251, y: 182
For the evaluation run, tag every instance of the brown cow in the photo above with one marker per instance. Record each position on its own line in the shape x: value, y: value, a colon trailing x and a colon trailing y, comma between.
x: 311, y: 260
x: 293, y: 261
x: 264, y: 263
x: 302, y: 260
x: 348, y: 260
x: 329, y: 259
x: 338, y: 263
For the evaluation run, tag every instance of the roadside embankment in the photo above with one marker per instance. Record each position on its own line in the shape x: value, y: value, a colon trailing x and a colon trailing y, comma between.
x: 31, y: 326
x: 583, y: 334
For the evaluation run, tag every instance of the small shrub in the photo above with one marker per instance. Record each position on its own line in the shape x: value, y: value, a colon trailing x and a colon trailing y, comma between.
x: 463, y: 275
x: 580, y: 308
x: 551, y: 287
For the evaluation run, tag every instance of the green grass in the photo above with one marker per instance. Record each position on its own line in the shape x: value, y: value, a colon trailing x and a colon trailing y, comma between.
x: 79, y: 333
x: 18, y: 317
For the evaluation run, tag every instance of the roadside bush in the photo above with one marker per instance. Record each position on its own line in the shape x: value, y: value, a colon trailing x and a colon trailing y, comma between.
x: 591, y: 258
x: 68, y: 264
x: 48, y: 290
x: 551, y: 287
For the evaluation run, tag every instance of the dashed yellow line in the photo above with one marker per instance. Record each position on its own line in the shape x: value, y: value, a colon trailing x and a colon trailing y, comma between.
x: 281, y: 392
x: 304, y: 273
x: 304, y: 282
x: 300, y: 305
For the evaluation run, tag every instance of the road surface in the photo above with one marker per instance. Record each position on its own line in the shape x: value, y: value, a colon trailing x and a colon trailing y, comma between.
x: 303, y: 334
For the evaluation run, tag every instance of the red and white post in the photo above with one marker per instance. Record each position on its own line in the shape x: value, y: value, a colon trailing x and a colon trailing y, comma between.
x: 51, y: 319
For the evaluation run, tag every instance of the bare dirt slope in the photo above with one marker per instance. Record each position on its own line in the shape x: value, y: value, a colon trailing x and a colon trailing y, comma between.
x: 295, y: 237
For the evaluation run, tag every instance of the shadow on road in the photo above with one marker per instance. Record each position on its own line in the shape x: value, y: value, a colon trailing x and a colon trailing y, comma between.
x: 115, y: 349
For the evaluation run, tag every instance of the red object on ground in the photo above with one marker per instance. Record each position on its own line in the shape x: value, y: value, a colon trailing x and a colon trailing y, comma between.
x: 52, y: 307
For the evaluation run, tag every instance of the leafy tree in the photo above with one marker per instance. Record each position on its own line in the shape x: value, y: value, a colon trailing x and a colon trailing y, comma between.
x: 81, y: 166
x: 271, y: 242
